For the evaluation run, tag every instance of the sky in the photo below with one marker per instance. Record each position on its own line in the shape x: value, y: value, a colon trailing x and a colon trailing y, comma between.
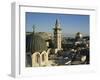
x: 45, y: 22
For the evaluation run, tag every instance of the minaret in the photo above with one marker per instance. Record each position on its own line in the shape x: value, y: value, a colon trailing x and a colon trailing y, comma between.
x: 57, y: 35
x: 33, y: 41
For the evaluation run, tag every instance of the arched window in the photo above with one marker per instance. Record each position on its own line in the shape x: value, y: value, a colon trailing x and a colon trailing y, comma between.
x: 37, y: 58
x: 43, y: 57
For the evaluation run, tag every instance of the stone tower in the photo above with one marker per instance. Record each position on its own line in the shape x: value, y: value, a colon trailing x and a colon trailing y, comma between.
x: 57, y: 36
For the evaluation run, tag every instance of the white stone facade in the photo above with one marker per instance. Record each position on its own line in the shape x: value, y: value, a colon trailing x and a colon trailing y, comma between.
x: 57, y: 36
x: 40, y: 59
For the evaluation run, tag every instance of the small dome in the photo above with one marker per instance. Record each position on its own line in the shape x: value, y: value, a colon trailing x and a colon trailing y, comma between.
x: 79, y: 35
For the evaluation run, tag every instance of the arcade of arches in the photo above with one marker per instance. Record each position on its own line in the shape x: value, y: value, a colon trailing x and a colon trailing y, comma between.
x: 40, y: 59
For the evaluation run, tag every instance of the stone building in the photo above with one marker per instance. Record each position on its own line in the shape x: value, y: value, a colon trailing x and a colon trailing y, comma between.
x: 37, y: 48
x: 40, y: 50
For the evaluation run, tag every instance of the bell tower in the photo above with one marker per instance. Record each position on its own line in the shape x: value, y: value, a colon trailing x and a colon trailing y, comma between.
x: 57, y: 35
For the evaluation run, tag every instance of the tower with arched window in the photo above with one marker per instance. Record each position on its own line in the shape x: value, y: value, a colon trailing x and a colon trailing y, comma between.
x: 57, y: 35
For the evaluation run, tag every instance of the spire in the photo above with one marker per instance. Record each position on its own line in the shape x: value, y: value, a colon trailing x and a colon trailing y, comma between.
x: 33, y: 28
x: 57, y: 25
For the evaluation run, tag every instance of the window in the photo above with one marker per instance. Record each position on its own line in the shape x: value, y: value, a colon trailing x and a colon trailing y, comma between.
x: 43, y: 57
x: 37, y: 58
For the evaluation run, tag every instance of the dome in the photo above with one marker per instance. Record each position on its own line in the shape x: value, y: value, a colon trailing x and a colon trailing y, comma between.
x: 79, y: 35
x: 38, y: 44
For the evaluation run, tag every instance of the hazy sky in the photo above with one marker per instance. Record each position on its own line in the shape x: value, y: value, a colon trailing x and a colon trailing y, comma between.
x: 45, y: 22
